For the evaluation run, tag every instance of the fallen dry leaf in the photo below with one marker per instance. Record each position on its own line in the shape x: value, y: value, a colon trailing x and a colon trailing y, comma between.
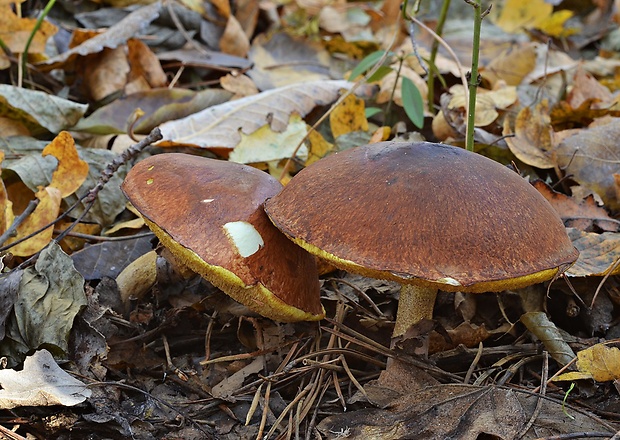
x: 266, y: 145
x: 512, y: 66
x: 599, y: 362
x: 46, y: 212
x: 581, y: 214
x: 221, y: 126
x: 598, y: 253
x: 15, y: 32
x: 590, y: 157
x: 586, y: 87
x: 488, y: 102
x: 533, y: 141
x: 348, y: 116
x: 6, y: 206
x: 40, y: 383
x: 71, y: 170
x: 517, y: 16
x: 436, y: 412
x: 112, y: 38
x: 234, y: 41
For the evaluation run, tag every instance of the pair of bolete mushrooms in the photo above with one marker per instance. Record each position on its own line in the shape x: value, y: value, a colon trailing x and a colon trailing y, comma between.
x: 429, y: 216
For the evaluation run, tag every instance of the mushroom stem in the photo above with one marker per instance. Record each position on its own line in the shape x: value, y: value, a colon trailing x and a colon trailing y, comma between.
x: 416, y: 303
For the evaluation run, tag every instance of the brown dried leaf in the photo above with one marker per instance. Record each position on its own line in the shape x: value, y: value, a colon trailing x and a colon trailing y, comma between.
x: 598, y: 253
x: 116, y: 35
x: 435, y: 412
x: 234, y: 41
x: 590, y: 157
x: 533, y: 140
x: 586, y: 87
x: 512, y: 66
x: 578, y: 214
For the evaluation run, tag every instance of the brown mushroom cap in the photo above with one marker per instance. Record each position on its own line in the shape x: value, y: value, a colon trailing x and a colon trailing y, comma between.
x: 426, y: 214
x: 209, y: 213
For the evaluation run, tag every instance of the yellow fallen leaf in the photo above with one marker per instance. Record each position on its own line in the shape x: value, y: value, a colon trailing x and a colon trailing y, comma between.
x: 265, y: 144
x: 45, y: 212
x: 348, y: 116
x: 6, y: 206
x: 15, y: 32
x: 512, y: 66
x: 71, y: 171
x: 599, y: 362
x: 517, y: 15
x: 319, y: 147
x: 553, y: 25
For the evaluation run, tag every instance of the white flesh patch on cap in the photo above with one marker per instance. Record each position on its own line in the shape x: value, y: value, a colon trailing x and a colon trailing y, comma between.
x: 247, y: 239
x: 450, y: 281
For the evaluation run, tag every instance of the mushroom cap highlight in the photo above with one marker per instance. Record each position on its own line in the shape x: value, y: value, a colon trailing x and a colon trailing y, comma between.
x: 209, y: 213
x: 427, y: 214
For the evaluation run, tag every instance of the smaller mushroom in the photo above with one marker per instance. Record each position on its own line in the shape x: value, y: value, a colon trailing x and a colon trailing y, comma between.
x: 209, y: 214
x: 429, y: 216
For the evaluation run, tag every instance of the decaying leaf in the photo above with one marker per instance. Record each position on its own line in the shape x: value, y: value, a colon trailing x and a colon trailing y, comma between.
x: 16, y: 31
x: 599, y: 362
x: 598, y: 253
x: 437, y: 412
x: 539, y: 324
x: 488, y: 102
x: 40, y: 383
x: 590, y: 157
x: 512, y: 66
x: 517, y: 16
x: 581, y: 214
x: 112, y: 38
x: 221, y: 126
x: 39, y: 111
x: 266, y: 145
x: 71, y: 170
x: 281, y: 60
x: 6, y: 206
x: 46, y: 211
x: 50, y: 295
x: 68, y: 176
x: 159, y: 105
x: 533, y: 140
x: 348, y: 116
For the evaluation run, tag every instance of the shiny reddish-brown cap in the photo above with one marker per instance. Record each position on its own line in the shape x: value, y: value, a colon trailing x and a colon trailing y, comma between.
x: 426, y: 214
x: 209, y: 213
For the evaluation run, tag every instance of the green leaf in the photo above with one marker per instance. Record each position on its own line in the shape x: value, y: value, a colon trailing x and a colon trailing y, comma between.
x: 366, y: 64
x: 412, y: 102
x: 369, y: 112
x: 381, y: 72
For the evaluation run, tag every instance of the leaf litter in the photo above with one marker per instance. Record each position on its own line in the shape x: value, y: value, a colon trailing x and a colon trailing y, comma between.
x: 160, y: 352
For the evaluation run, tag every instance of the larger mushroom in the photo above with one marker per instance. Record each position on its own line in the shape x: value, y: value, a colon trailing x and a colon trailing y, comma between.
x: 429, y: 216
x: 209, y: 213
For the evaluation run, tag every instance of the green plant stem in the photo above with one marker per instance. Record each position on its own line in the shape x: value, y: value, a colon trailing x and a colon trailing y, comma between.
x: 441, y: 21
x: 37, y: 25
x: 473, y: 77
